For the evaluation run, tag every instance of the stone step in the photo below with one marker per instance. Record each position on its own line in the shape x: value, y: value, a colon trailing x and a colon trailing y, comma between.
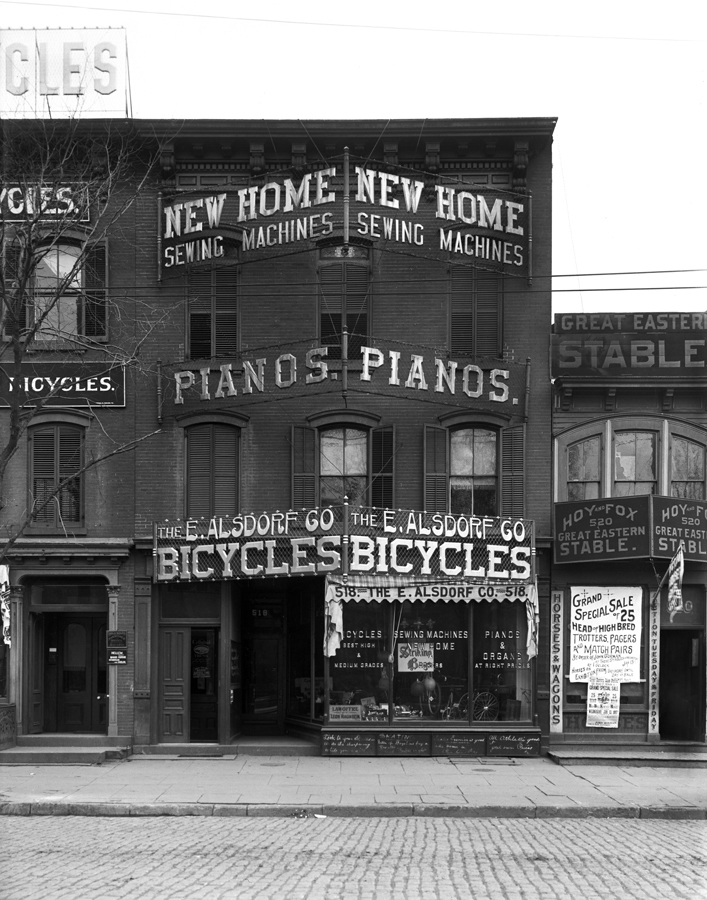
x: 695, y: 757
x: 61, y: 756
x: 244, y: 746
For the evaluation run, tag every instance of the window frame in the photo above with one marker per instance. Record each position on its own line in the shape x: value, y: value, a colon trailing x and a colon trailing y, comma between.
x: 326, y: 294
x: 306, y: 458
x: 665, y: 429
x: 224, y: 323
x: 510, y: 463
x: 73, y: 424
x: 471, y: 312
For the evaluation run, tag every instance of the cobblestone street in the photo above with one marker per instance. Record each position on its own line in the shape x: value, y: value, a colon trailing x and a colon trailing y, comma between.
x: 359, y: 858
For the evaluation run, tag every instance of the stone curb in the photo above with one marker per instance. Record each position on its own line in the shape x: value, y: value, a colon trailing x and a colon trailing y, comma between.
x: 371, y: 811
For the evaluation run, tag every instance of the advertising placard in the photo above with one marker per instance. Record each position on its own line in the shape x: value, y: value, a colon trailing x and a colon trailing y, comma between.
x: 66, y: 385
x: 310, y: 542
x: 603, y: 704
x: 675, y: 520
x: 592, y: 530
x: 605, y: 634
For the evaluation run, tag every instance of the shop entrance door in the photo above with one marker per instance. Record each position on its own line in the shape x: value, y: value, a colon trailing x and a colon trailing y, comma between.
x: 682, y: 697
x: 263, y: 694
x: 188, y: 685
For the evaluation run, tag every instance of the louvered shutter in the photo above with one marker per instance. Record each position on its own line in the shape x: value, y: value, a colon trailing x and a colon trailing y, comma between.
x: 199, y: 471
x: 69, y: 477
x: 331, y: 285
x: 475, y: 312
x: 43, y: 474
x: 382, y: 467
x: 513, y: 471
x: 462, y: 310
x: 225, y: 296
x: 356, y: 278
x: 200, y: 314
x: 487, y: 330
x: 95, y: 303
x: 436, y: 470
x: 304, y: 471
x: 225, y: 470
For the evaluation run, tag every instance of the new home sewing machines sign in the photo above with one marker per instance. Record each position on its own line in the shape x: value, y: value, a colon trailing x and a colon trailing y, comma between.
x: 402, y: 211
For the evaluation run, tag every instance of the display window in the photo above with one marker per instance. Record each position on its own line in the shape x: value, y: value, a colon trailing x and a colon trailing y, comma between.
x: 418, y: 663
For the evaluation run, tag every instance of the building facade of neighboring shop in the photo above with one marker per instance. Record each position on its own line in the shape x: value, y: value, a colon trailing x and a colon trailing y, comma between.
x: 352, y: 386
x: 627, y: 620
x: 68, y: 574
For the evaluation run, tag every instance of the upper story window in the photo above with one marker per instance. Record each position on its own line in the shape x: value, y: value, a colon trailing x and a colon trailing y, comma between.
x: 474, y: 470
x: 344, y: 299
x: 66, y: 297
x: 213, y: 312
x: 56, y: 480
x: 687, y: 469
x: 476, y: 307
x: 334, y: 461
x: 647, y: 455
x: 212, y: 469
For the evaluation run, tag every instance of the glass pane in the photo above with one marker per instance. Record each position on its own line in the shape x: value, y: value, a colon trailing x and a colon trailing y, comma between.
x: 484, y: 452
x: 299, y: 645
x: 332, y: 452
x: 462, y: 452
x: 360, y: 675
x: 355, y: 452
x: 431, y: 662
x: 501, y: 669
x: 635, y: 463
x: 485, y: 503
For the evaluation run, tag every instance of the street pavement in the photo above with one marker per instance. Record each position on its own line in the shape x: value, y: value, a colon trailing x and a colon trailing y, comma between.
x: 308, y: 787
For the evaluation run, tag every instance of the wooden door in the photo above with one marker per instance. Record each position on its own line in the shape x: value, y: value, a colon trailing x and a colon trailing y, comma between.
x: 35, y: 694
x: 174, y: 685
x: 203, y: 717
x: 81, y: 682
x: 682, y: 689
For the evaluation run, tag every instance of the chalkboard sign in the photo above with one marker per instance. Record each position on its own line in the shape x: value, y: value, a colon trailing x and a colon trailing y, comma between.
x: 514, y: 745
x: 458, y: 745
x: 395, y: 743
x: 348, y: 743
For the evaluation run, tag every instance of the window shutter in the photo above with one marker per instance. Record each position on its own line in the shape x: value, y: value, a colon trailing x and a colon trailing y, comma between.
x: 512, y: 471
x: 69, y: 464
x: 95, y: 311
x: 225, y: 293
x: 199, y: 471
x: 487, y: 336
x: 383, y: 467
x: 356, y: 278
x: 475, y: 312
x: 331, y: 284
x: 225, y: 470
x: 43, y: 471
x: 462, y: 311
x: 304, y: 493
x: 200, y: 314
x: 436, y: 470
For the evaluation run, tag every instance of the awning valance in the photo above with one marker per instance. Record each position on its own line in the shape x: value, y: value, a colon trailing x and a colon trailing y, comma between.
x: 398, y: 589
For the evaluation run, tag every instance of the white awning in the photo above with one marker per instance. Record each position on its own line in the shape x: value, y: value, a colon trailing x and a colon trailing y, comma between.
x: 398, y: 589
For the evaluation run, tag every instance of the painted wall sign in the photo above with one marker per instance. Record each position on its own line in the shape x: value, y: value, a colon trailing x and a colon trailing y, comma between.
x: 591, y: 530
x: 310, y: 542
x: 384, y: 369
x: 557, y: 667
x: 630, y: 344
x: 407, y: 211
x: 605, y: 634
x: 58, y: 73
x: 65, y: 385
x: 630, y: 528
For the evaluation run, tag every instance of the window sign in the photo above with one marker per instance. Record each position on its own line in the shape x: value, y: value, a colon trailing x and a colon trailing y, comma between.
x: 605, y: 634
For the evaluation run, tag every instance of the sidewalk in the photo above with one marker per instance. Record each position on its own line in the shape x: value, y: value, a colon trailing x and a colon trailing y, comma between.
x: 308, y: 786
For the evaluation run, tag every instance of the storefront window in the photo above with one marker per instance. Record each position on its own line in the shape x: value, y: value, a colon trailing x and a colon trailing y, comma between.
x: 501, y: 668
x: 359, y: 672
x: 411, y: 662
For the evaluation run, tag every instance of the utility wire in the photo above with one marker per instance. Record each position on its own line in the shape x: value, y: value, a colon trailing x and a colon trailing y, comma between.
x: 364, y: 25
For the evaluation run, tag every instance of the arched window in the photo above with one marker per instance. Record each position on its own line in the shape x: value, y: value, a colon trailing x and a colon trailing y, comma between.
x: 647, y: 455
x: 473, y: 472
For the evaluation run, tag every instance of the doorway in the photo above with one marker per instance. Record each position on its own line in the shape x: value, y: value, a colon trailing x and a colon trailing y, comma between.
x: 69, y: 687
x: 682, y: 701
x: 262, y: 621
x: 188, y: 684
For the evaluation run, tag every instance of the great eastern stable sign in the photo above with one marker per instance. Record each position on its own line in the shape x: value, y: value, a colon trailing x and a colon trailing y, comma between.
x: 630, y: 528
